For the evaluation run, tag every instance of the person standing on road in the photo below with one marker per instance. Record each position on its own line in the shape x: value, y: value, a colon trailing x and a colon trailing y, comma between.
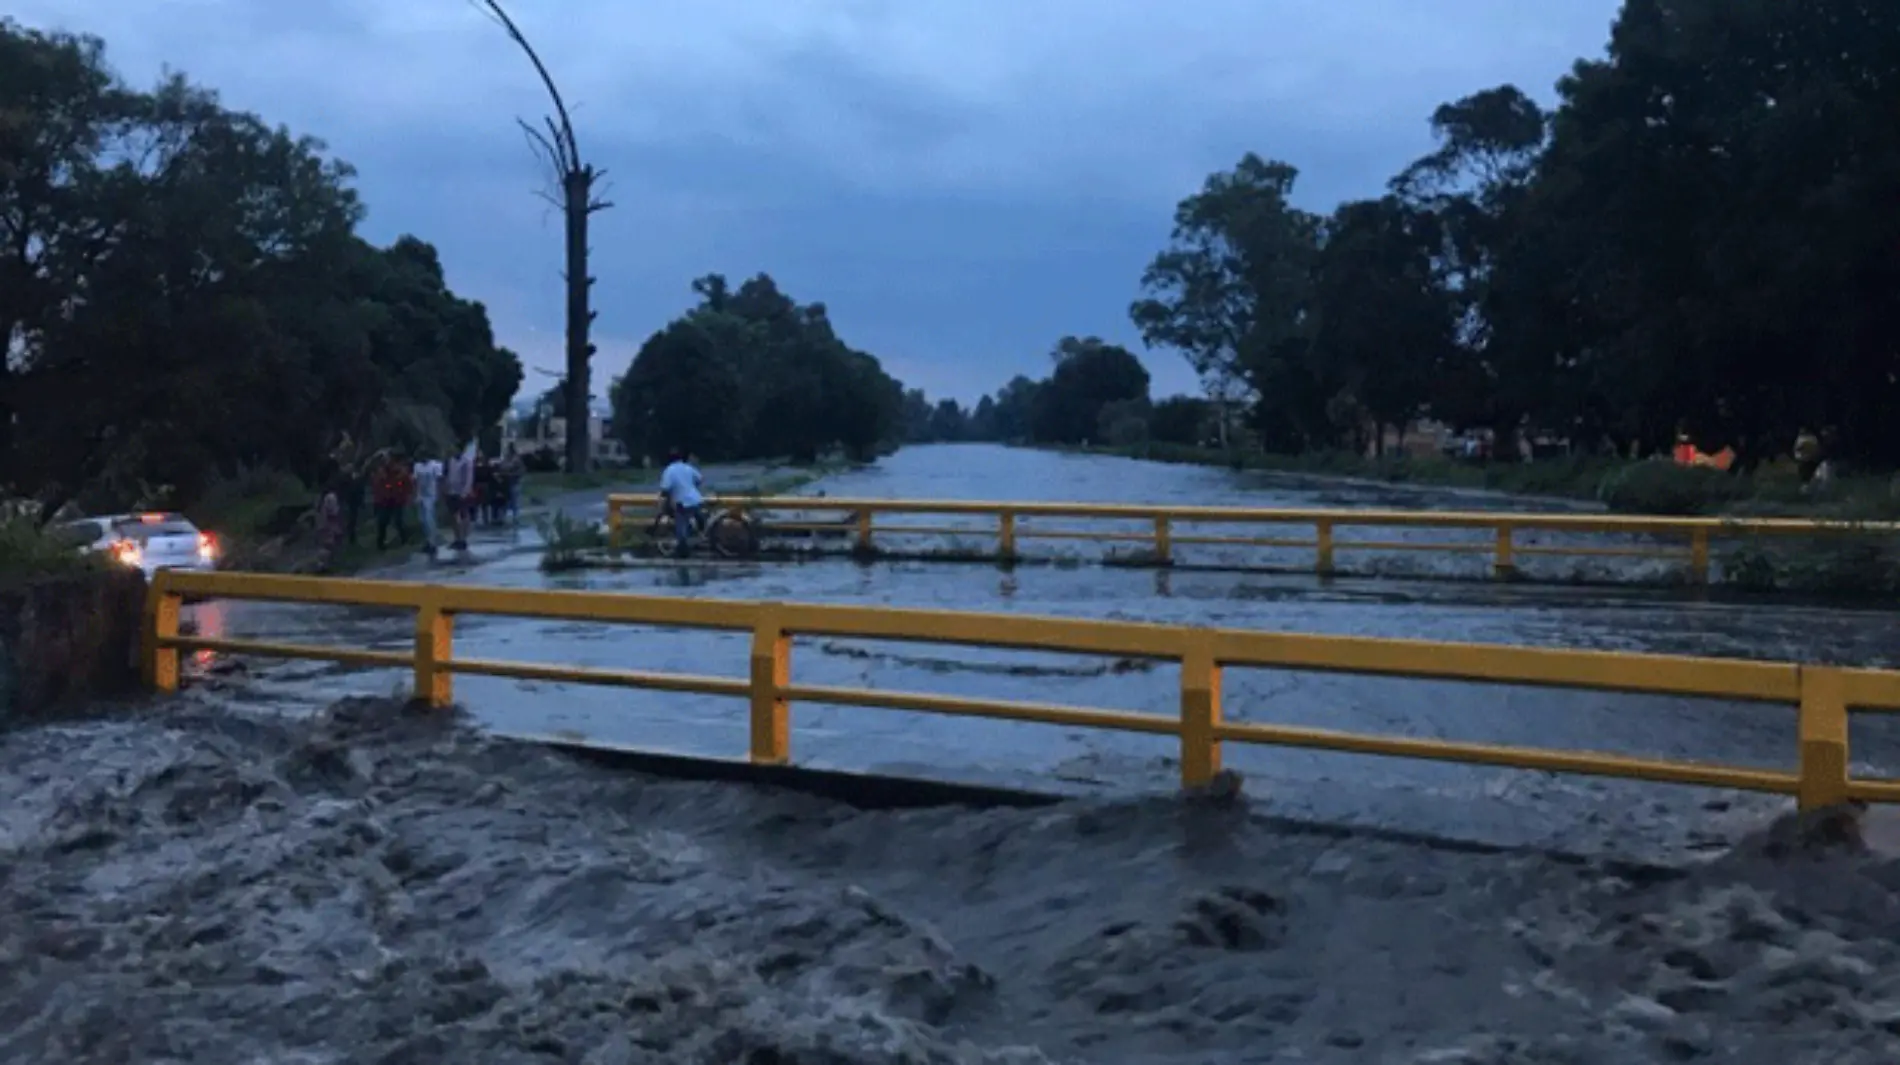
x: 391, y: 497
x: 428, y: 478
x: 355, y: 488
x: 484, y: 494
x: 508, y: 477
x: 329, y: 525
x: 459, y: 485
x: 1807, y: 454
x: 680, y: 485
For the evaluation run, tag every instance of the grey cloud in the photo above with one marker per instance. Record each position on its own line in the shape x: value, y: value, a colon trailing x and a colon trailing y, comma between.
x: 961, y: 181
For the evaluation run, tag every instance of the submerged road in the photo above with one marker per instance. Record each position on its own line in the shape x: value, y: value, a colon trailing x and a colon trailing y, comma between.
x: 1488, y: 805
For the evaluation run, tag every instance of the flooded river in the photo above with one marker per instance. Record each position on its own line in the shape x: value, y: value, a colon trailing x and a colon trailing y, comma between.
x: 1488, y: 805
x: 255, y: 873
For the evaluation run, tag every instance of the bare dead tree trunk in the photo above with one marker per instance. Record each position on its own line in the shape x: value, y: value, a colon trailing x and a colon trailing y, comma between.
x: 577, y: 195
x: 575, y: 179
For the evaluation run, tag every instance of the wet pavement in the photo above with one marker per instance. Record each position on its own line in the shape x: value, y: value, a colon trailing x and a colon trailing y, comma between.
x: 1490, y: 805
x: 383, y: 886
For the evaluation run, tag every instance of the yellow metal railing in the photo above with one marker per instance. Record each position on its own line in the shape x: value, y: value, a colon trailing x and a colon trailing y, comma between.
x: 1686, y: 540
x: 1823, y: 696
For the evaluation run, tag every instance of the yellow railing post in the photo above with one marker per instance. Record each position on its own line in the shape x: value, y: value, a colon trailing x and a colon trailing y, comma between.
x: 162, y: 608
x: 864, y: 529
x: 1506, y: 564
x: 435, y: 646
x: 771, y: 673
x: 1200, y: 712
x: 614, y: 522
x: 1323, y: 536
x: 1823, y: 738
x: 1164, y: 540
x: 1006, y: 536
x: 1699, y: 555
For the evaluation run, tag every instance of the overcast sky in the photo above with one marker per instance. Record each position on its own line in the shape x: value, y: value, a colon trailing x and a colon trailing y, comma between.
x: 960, y: 181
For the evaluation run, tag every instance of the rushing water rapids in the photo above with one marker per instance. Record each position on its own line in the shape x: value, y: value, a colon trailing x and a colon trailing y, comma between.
x: 198, y: 885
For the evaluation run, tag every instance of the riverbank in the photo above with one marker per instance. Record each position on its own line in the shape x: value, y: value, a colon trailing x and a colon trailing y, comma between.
x: 380, y: 884
x: 1620, y: 484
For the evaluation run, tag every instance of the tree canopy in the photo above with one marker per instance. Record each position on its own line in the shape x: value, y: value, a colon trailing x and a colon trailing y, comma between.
x: 752, y: 373
x: 1701, y: 235
x: 183, y: 293
x: 1094, y: 392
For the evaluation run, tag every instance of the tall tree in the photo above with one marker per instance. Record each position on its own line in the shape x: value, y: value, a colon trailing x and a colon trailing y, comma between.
x: 1383, y: 324
x: 1472, y: 186
x: 1090, y: 375
x: 752, y: 373
x: 1012, y: 418
x: 63, y: 109
x: 683, y: 390
x: 1233, y: 280
x: 186, y: 296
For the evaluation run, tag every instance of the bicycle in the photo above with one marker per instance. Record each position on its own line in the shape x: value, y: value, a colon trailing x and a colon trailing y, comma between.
x: 724, y: 531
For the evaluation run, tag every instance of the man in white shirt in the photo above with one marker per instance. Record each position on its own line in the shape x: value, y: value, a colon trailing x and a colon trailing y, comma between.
x: 428, y: 477
x: 459, y: 486
x: 680, y: 495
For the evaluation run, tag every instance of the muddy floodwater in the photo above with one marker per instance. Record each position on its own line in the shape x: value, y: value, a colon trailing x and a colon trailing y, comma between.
x: 256, y: 872
x: 1498, y: 806
x: 193, y: 885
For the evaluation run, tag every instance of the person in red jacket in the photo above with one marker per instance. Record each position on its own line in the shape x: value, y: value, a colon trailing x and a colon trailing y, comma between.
x: 391, y: 488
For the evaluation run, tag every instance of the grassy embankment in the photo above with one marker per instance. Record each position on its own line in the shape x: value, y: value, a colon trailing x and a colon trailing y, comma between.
x: 1620, y: 484
x: 1862, y: 567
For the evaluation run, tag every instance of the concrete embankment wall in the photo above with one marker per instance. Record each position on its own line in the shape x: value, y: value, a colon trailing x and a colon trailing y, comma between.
x: 66, y: 640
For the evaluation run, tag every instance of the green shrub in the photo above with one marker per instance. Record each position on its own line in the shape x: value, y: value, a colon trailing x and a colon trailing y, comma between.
x: 567, y: 541
x: 1750, y: 569
x: 1661, y: 487
x: 255, y: 502
x: 26, y: 550
x: 1845, y: 568
x: 1573, y: 475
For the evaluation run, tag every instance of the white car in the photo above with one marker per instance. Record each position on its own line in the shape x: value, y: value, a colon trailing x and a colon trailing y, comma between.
x: 149, y: 542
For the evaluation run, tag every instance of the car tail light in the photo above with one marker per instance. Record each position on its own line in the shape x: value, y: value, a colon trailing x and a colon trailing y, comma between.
x: 207, y: 547
x: 126, y: 552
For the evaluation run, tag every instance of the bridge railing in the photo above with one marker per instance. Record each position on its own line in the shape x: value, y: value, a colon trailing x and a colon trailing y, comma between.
x: 1685, y: 540
x: 1823, y: 695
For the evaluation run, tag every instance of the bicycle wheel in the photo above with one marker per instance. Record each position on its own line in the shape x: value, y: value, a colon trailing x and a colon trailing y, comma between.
x: 660, y: 536
x: 731, y: 535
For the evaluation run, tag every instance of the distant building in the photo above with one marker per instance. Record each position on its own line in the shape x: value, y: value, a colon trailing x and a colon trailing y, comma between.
x: 535, y: 432
x: 1419, y: 439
